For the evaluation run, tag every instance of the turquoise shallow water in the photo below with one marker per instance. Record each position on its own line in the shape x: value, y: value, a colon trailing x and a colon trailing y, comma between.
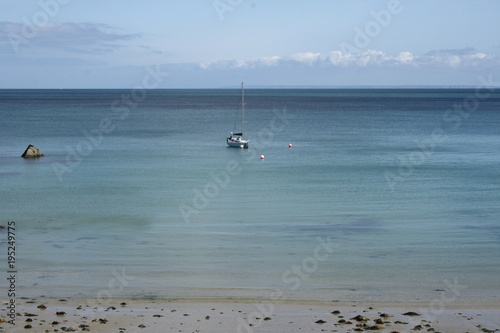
x: 386, y: 194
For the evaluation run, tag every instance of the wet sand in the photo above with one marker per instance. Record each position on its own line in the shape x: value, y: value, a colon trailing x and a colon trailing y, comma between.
x: 242, y: 315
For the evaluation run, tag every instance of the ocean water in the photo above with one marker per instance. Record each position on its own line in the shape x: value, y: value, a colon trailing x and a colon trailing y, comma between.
x: 387, y: 195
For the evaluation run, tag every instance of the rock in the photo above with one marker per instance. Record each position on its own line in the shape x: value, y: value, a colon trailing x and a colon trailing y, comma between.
x: 320, y: 322
x: 411, y: 313
x: 31, y: 152
x: 375, y: 327
x: 360, y: 318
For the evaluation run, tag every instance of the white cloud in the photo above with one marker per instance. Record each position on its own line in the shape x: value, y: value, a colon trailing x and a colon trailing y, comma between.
x: 458, y: 61
x: 240, y: 63
x: 371, y: 58
x: 405, y: 57
x: 269, y: 61
x: 307, y: 57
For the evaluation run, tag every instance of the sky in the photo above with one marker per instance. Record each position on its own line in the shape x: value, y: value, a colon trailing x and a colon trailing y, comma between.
x: 265, y: 43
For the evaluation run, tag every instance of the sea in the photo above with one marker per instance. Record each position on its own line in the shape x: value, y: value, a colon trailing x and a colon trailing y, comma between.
x: 356, y: 195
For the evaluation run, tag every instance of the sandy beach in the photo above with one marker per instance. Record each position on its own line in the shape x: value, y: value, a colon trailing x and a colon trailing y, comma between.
x: 242, y: 315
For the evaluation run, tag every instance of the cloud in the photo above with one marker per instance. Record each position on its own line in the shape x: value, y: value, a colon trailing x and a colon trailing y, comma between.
x: 307, y: 57
x: 239, y: 63
x: 452, y: 52
x: 405, y: 57
x: 457, y: 58
x: 71, y: 37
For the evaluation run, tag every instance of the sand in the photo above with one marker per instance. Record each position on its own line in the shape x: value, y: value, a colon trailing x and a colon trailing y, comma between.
x: 242, y: 315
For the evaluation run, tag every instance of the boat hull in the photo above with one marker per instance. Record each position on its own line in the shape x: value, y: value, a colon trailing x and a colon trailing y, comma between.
x: 238, y: 143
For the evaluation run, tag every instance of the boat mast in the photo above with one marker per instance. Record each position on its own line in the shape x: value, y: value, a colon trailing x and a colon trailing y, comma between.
x: 242, y: 107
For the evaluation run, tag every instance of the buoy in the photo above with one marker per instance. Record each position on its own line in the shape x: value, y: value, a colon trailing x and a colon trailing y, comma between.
x: 261, y: 157
x: 290, y: 145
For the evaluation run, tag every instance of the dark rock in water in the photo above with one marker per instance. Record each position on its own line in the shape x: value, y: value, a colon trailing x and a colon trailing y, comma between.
x: 31, y: 152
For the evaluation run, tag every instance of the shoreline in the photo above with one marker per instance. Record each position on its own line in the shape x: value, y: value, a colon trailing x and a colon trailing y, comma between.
x: 127, y: 314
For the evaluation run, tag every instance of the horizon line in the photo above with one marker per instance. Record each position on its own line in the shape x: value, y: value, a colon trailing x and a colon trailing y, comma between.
x: 282, y: 87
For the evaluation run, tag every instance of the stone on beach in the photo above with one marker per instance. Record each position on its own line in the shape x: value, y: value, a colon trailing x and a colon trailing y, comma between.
x: 31, y: 152
x: 144, y: 316
x: 411, y: 313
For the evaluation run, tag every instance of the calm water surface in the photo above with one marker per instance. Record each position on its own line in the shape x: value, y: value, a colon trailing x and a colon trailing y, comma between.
x: 386, y: 194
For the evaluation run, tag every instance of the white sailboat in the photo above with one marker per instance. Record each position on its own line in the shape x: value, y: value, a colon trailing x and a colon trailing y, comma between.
x: 236, y: 139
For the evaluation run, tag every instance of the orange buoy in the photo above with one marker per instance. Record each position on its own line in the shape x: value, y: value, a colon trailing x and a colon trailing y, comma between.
x: 290, y: 145
x: 261, y: 157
